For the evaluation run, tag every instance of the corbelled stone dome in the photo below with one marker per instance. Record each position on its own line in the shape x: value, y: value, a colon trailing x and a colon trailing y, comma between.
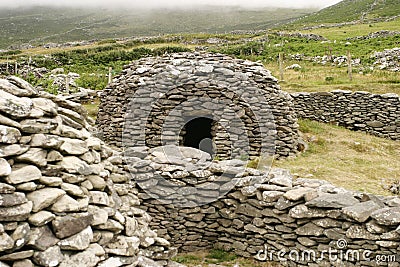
x: 228, y: 107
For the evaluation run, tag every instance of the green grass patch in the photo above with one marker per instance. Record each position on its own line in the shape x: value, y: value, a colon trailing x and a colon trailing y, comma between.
x: 353, y: 160
x: 218, y: 256
x: 188, y: 259
x: 92, y: 108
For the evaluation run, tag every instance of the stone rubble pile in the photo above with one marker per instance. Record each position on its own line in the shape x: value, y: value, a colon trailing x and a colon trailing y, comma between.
x: 265, y: 210
x: 64, y: 201
x: 373, y: 35
x: 361, y: 111
x: 389, y: 59
x: 339, y: 61
x: 59, y: 80
x: 307, y: 36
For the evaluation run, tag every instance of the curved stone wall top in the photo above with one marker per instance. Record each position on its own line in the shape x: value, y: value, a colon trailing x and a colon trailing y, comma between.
x: 152, y: 101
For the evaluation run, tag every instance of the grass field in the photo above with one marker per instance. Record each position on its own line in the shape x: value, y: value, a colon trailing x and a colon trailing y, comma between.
x: 41, y: 25
x: 351, y: 10
x: 317, y: 78
x: 349, y: 31
x: 353, y: 160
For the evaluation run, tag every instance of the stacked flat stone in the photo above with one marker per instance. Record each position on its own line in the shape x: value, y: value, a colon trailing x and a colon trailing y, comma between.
x: 270, y: 209
x: 62, y: 200
x: 388, y: 59
x: 360, y: 111
x: 160, y: 85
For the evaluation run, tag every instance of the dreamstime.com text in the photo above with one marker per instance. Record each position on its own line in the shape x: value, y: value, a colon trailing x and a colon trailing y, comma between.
x: 331, y: 254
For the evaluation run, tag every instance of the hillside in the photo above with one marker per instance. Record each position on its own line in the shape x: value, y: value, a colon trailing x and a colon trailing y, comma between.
x: 353, y: 10
x: 40, y: 25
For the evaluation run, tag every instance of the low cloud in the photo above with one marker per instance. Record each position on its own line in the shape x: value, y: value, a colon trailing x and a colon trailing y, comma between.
x: 169, y: 3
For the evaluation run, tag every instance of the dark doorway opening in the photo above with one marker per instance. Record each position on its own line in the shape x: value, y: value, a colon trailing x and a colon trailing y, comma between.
x: 199, y: 135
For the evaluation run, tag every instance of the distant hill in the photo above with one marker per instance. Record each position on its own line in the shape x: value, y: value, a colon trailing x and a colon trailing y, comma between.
x: 39, y: 25
x: 353, y: 10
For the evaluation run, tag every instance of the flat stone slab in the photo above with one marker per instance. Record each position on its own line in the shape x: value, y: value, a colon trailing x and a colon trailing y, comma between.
x: 337, y: 201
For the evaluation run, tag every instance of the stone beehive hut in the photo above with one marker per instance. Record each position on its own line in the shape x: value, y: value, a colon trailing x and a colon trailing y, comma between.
x: 228, y: 107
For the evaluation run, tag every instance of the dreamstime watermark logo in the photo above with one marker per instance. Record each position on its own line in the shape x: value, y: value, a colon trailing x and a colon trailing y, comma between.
x: 161, y: 107
x: 340, y: 253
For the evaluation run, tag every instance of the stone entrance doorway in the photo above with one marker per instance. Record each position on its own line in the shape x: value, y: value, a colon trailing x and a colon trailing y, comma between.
x: 197, y: 133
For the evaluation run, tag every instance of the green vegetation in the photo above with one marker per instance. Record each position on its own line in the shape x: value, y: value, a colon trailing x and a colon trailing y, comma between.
x: 314, y: 77
x: 268, y: 51
x: 353, y: 160
x: 40, y: 25
x: 93, y: 63
x: 351, y: 10
x: 348, y: 31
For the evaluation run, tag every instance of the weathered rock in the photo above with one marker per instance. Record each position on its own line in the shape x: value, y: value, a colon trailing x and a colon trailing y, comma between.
x: 340, y: 200
x: 302, y: 211
x: 15, y: 107
x: 9, y: 135
x: 6, y: 188
x: 387, y: 216
x: 67, y: 226
x: 6, y: 242
x: 23, y: 87
x: 281, y: 177
x: 73, y: 190
x: 12, y: 150
x: 15, y: 213
x: 39, y: 125
x: 42, y: 238
x: 46, y: 141
x: 46, y: 105
x: 83, y: 259
x: 100, y: 216
x: 13, y: 199
x: 144, y: 261
x: 271, y: 196
x: 73, y: 146
x: 23, y: 173
x: 79, y: 241
x: 41, y: 218
x: 9, y: 122
x: 359, y: 232
x: 48, y: 258
x: 123, y: 246
x: 23, y: 263
x: 44, y: 198
x: 54, y: 156
x: 65, y: 204
x: 75, y: 165
x: 362, y: 211
x: 5, y: 168
x: 297, y: 194
x: 99, y: 198
x: 51, y: 181
x: 36, y: 156
x: 16, y: 256
x: 21, y: 235
x: 309, y: 229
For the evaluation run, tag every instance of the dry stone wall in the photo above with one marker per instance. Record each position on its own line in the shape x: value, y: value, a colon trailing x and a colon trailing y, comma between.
x: 267, y: 214
x: 361, y: 111
x: 175, y: 88
x: 64, y: 200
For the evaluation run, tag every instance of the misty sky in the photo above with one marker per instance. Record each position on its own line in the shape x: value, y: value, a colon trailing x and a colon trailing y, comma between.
x: 170, y: 3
